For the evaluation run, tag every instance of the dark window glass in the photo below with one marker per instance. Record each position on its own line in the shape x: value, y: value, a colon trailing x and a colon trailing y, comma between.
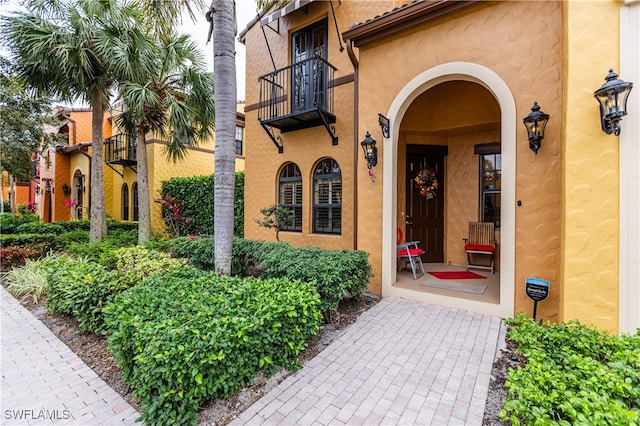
x: 290, y: 194
x: 491, y: 181
x: 239, y: 131
x: 327, y: 197
x: 125, y: 202
x: 134, y: 189
x: 308, y: 75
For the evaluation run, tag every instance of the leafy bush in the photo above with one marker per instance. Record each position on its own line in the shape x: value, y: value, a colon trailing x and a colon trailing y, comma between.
x: 39, y: 228
x: 75, y: 225
x: 574, y: 375
x: 184, y: 337
x: 13, y: 256
x: 81, y: 288
x: 141, y: 262
x: 122, y: 226
x: 65, y: 239
x: 9, y: 222
x: 197, y: 195
x: 336, y: 273
x: 25, y: 240
x: 102, y: 252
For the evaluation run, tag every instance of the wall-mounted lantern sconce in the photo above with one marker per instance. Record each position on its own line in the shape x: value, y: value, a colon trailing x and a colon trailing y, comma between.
x: 66, y: 189
x: 612, y: 97
x: 47, y: 187
x: 37, y: 189
x: 370, y: 150
x: 384, y: 125
x: 535, y: 123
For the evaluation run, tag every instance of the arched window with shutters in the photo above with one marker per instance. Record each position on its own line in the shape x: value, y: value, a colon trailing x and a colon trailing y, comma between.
x: 134, y: 198
x: 125, y: 202
x: 290, y: 194
x: 327, y: 197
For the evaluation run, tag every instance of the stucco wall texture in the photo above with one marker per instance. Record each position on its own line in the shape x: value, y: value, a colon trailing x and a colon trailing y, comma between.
x: 590, y: 169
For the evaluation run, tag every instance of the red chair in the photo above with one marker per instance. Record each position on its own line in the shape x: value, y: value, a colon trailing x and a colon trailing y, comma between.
x: 481, y: 241
x: 409, y: 252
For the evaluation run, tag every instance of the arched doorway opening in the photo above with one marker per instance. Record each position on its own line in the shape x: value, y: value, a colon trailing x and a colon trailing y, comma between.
x: 448, y: 118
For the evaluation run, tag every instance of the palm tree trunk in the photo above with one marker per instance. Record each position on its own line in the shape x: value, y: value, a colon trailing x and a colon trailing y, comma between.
x: 98, y: 220
x: 144, y: 207
x: 224, y: 65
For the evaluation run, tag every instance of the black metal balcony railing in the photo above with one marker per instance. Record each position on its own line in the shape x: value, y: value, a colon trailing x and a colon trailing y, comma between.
x: 120, y: 149
x: 298, y: 96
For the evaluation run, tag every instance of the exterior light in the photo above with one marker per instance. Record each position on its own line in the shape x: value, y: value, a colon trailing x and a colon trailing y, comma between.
x: 384, y: 125
x: 79, y: 186
x: 370, y: 150
x: 535, y: 123
x: 66, y: 189
x: 612, y: 97
x: 47, y: 187
x: 37, y: 189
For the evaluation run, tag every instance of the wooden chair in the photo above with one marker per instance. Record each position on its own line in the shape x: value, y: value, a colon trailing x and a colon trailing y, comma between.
x: 409, y: 252
x: 481, y: 241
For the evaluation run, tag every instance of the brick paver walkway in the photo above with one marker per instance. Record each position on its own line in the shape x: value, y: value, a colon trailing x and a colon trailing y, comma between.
x: 44, y: 382
x: 402, y: 362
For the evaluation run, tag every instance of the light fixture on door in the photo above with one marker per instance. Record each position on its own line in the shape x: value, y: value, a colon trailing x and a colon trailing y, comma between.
x: 535, y: 123
x: 612, y: 97
x: 370, y: 150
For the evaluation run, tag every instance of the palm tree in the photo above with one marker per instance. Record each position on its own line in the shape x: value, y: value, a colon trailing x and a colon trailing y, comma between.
x: 223, y: 20
x: 174, y: 99
x: 77, y: 50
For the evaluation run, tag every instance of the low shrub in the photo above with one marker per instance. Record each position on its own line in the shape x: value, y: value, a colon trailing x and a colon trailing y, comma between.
x: 575, y: 374
x: 75, y: 225
x: 39, y: 228
x: 32, y: 279
x: 122, y: 226
x: 67, y: 238
x: 336, y: 273
x: 141, y: 262
x: 9, y: 222
x: 184, y: 337
x: 12, y: 256
x: 81, y: 288
x: 103, y: 252
x: 25, y: 240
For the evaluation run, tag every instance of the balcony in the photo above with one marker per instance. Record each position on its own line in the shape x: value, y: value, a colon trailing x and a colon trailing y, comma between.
x: 120, y: 149
x: 296, y: 97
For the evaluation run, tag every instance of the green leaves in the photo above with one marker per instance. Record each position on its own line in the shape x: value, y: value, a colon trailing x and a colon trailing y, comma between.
x: 575, y: 375
x: 185, y: 336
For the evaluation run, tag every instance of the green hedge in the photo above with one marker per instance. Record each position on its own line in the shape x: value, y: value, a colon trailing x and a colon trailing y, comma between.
x: 9, y: 222
x: 25, y: 240
x: 336, y: 273
x: 575, y: 374
x: 197, y: 195
x: 40, y: 228
x: 81, y: 288
x: 187, y: 336
x: 75, y: 225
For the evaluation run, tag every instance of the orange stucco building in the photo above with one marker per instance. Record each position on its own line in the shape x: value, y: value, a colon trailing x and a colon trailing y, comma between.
x: 453, y: 81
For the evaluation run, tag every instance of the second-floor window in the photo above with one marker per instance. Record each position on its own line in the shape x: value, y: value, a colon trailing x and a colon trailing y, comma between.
x: 309, y: 75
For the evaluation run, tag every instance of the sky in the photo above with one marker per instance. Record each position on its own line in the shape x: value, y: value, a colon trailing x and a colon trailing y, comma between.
x: 245, y: 11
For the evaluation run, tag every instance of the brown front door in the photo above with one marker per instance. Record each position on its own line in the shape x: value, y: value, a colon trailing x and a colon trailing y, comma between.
x: 425, y: 218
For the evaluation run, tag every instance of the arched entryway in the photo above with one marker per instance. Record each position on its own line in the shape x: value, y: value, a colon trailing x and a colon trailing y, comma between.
x: 445, y: 80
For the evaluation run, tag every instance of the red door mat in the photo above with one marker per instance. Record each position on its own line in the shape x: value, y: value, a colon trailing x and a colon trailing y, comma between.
x: 456, y: 275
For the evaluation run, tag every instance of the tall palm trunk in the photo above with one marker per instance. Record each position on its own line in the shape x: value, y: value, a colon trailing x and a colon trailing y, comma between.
x: 98, y: 220
x: 144, y: 208
x: 224, y: 65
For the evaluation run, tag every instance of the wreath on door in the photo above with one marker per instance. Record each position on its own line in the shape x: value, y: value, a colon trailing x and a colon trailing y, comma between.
x: 427, y: 183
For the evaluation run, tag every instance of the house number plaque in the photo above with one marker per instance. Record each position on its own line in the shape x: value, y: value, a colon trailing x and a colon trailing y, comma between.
x: 537, y: 290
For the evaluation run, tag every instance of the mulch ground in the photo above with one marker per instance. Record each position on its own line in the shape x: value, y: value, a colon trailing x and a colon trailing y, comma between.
x: 92, y: 349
